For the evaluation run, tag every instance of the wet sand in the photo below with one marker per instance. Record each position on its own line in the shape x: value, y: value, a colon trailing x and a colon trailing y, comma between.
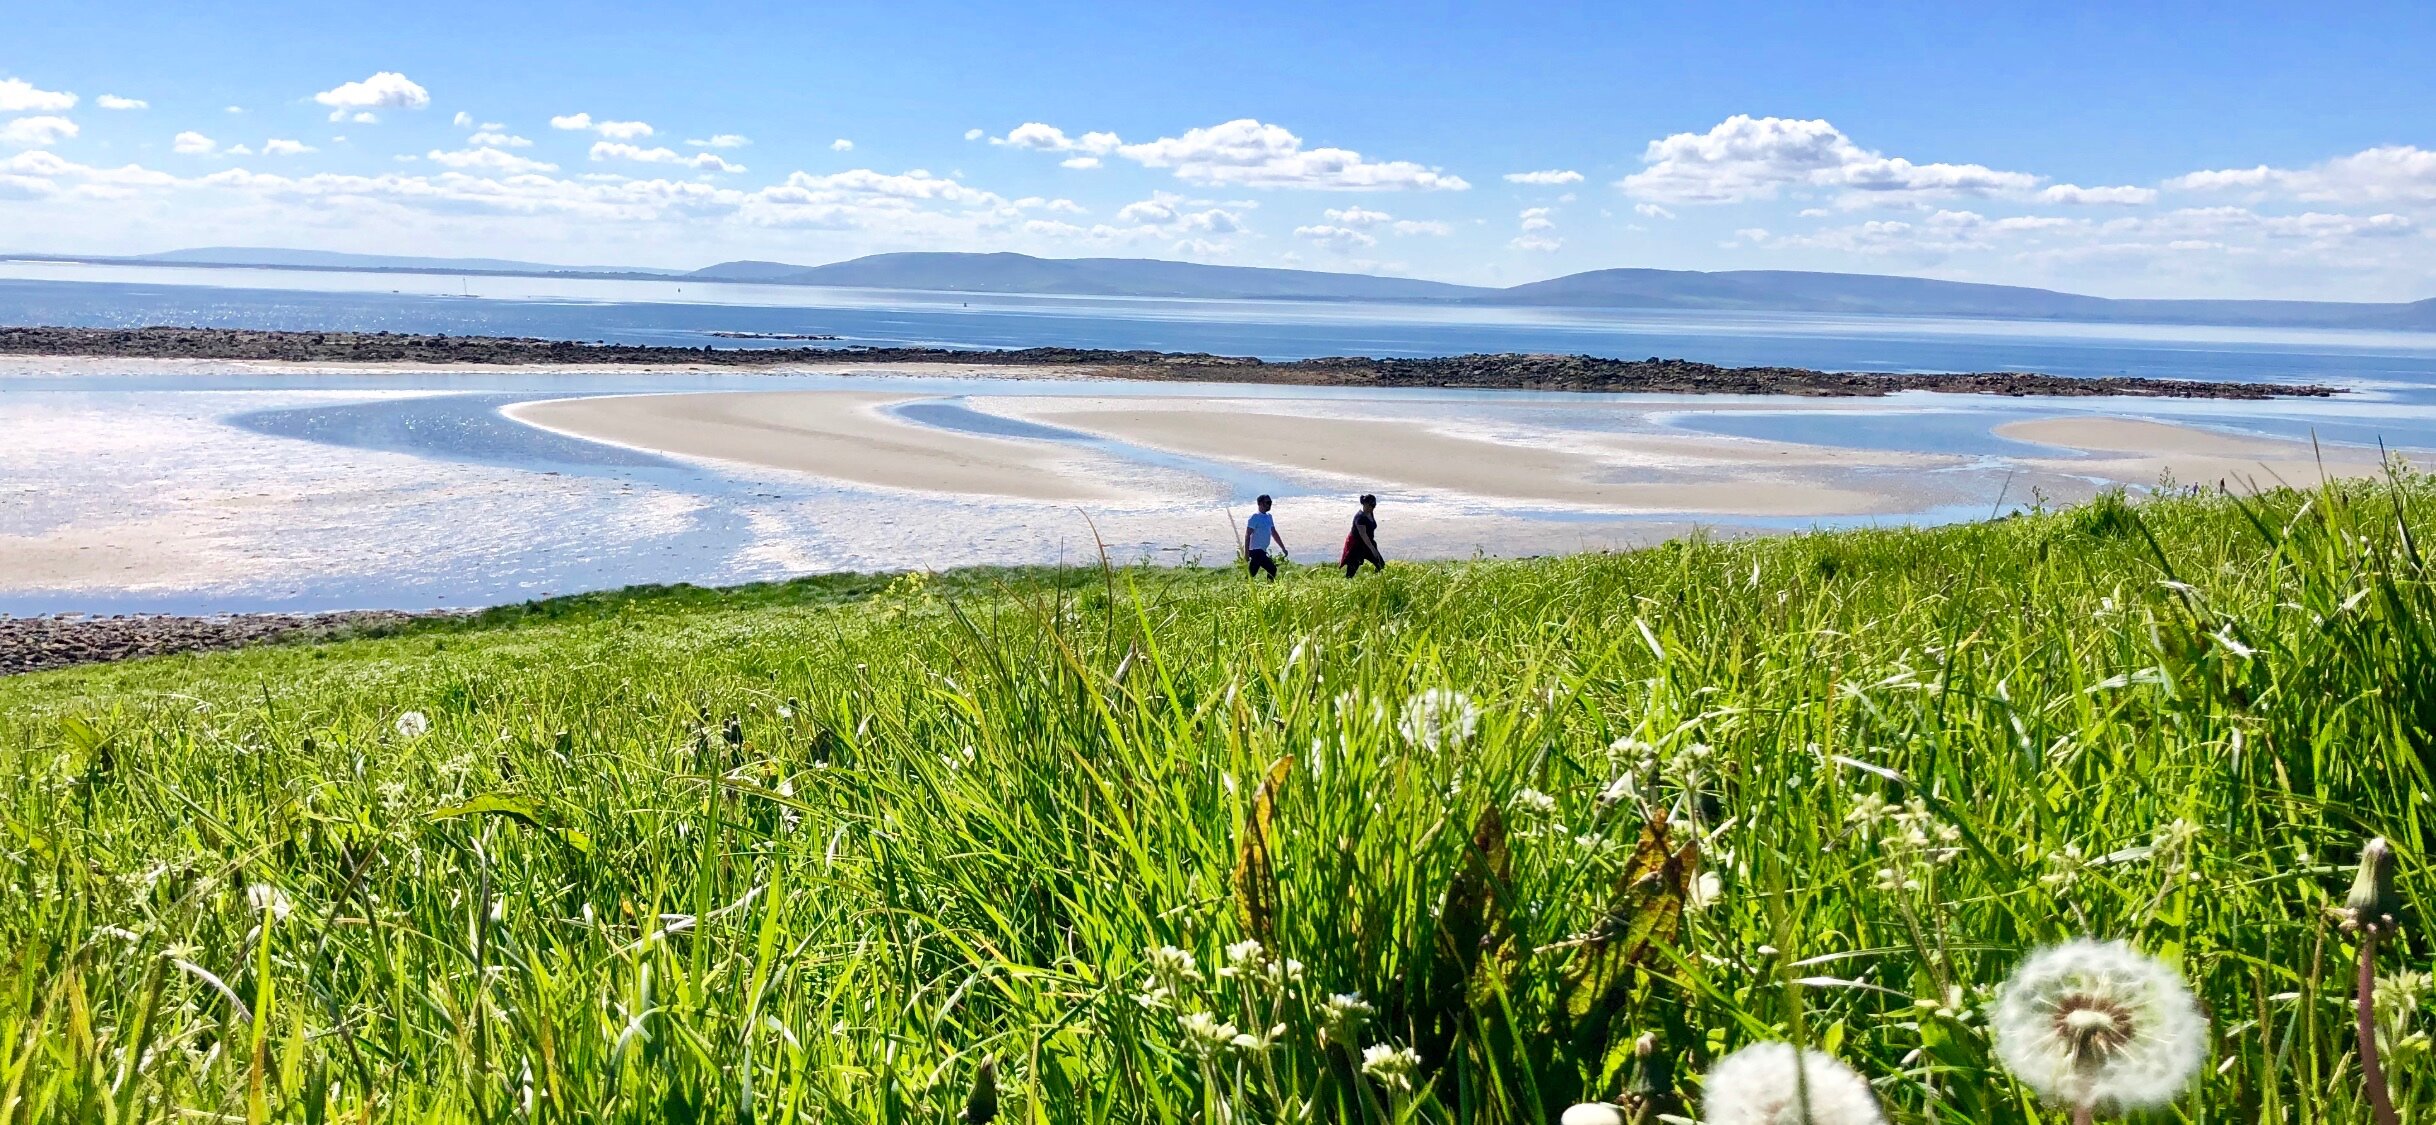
x: 2141, y: 452
x: 1612, y: 472
x: 835, y: 434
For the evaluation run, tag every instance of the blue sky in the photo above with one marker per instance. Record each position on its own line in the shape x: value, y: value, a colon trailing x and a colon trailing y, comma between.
x: 2178, y: 150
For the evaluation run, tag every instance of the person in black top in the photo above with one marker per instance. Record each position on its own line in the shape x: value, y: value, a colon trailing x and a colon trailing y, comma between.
x: 1362, y: 543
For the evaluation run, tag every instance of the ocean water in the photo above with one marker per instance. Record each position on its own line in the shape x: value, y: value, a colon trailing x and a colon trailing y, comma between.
x: 215, y: 487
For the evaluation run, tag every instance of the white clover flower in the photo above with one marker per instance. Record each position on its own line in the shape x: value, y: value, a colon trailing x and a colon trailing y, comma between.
x: 1243, y: 957
x: 1171, y: 963
x: 2099, y: 1024
x: 265, y: 898
x: 1342, y: 1015
x: 1392, y: 1066
x: 1206, y: 1034
x: 1532, y: 802
x: 1439, y: 719
x: 1763, y: 1084
x: 413, y: 724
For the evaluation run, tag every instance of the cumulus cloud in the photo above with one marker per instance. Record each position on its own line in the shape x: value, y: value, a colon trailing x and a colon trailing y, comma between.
x: 1243, y: 152
x: 615, y: 150
x: 1169, y: 214
x: 1651, y: 211
x: 1745, y: 157
x: 495, y: 139
x: 1049, y: 138
x: 191, y: 143
x: 20, y: 96
x: 36, y: 132
x: 1355, y: 216
x: 973, y: 134
x: 1537, y: 243
x: 1554, y: 177
x: 1341, y: 239
x: 387, y: 89
x: 113, y: 101
x: 280, y: 146
x: 462, y: 120
x: 1079, y: 162
x: 841, y: 145
x: 614, y: 130
x: 1536, y: 219
x: 491, y: 158
x: 2386, y: 174
x: 2076, y: 194
x: 722, y: 140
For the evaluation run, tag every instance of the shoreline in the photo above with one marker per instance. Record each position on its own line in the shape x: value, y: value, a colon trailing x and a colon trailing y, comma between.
x: 1522, y: 372
x: 41, y: 644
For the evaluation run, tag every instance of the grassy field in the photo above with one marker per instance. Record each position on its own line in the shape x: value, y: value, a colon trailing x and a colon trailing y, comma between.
x: 888, y: 849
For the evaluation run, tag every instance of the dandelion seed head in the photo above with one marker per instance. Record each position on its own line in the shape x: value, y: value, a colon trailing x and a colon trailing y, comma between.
x: 265, y: 898
x: 2100, y: 1024
x: 1771, y: 1084
x: 1592, y: 1113
x: 413, y: 724
x: 1439, y: 719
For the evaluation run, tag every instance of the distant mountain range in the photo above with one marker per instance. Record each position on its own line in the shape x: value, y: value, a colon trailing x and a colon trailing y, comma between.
x: 1735, y: 290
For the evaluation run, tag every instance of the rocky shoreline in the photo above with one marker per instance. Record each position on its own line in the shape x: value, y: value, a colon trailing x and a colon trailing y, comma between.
x: 35, y: 644
x: 1487, y: 372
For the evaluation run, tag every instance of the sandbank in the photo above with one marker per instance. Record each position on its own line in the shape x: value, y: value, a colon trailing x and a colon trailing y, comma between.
x: 1665, y: 474
x: 836, y: 434
x: 2140, y: 451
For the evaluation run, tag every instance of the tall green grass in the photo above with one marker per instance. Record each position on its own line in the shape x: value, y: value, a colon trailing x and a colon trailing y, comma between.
x: 883, y: 849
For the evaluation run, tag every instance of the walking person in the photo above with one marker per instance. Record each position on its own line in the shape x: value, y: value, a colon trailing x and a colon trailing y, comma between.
x: 1362, y: 543
x: 1258, y: 532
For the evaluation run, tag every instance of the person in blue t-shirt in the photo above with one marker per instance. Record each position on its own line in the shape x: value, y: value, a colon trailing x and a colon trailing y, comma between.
x: 1258, y: 533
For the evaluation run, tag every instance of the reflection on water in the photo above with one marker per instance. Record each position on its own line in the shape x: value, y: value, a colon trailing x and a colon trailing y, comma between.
x: 215, y: 487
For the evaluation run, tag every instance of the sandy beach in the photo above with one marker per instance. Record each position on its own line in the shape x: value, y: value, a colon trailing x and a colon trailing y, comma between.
x: 839, y: 435
x: 2140, y: 452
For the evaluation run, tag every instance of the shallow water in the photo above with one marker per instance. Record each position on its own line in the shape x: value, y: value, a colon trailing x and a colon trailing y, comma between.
x: 215, y: 487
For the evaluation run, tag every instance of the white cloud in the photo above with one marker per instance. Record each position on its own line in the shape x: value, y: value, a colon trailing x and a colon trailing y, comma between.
x: 1746, y: 157
x: 232, y: 109
x: 36, y: 132
x: 113, y: 101
x: 20, y: 96
x: 491, y: 158
x: 1049, y: 138
x: 1355, y: 216
x: 493, y: 139
x: 1338, y: 238
x: 1553, y: 177
x: 1421, y: 226
x: 614, y: 130
x: 1169, y: 214
x: 1079, y: 162
x: 237, y: 150
x: 1653, y: 211
x: 722, y: 140
x: 1254, y: 154
x: 1536, y: 219
x: 277, y: 146
x: 1242, y: 152
x: 841, y: 145
x: 2386, y: 174
x: 191, y: 143
x: 1537, y: 243
x: 710, y: 162
x: 387, y: 89
x: 973, y: 134
x: 462, y: 120
x: 2076, y: 194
